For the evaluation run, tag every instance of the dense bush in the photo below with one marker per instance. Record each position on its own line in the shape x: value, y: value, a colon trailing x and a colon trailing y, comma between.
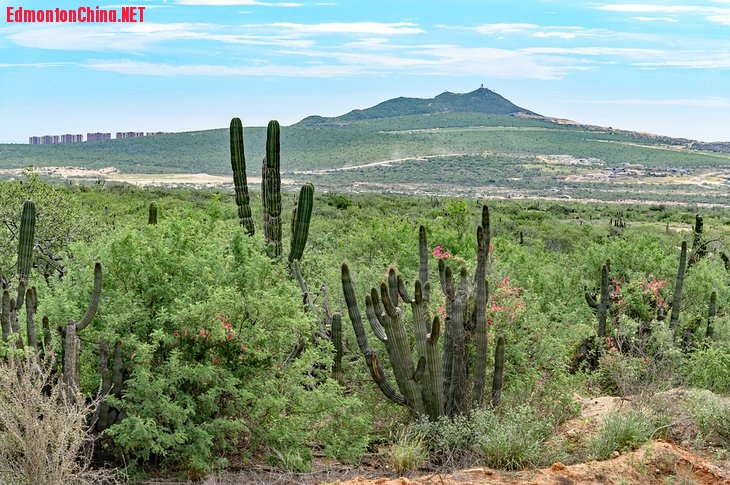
x: 207, y: 326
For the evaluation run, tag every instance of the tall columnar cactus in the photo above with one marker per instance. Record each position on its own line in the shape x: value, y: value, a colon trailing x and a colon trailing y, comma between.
x: 601, y: 306
x: 711, y: 314
x: 152, y: 214
x: 238, y: 164
x: 26, y: 240
x: 301, y: 215
x: 337, y: 342
x: 71, y: 341
x: 437, y: 383
x: 678, y: 285
x: 498, y: 377
x: 271, y: 190
x: 10, y: 307
x: 699, y: 245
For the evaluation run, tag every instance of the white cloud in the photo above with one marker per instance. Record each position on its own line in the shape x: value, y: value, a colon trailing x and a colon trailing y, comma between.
x: 723, y: 19
x: 36, y: 64
x: 630, y: 52
x: 502, y: 29
x: 688, y: 102
x: 651, y: 8
x: 719, y: 15
x: 238, y: 3
x: 373, y: 28
x: 427, y: 60
x: 137, y: 38
x: 156, y: 69
x: 656, y: 19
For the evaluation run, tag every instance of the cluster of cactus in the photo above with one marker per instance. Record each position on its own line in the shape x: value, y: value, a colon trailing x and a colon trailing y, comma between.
x: 270, y: 194
x: 437, y: 385
x: 28, y: 295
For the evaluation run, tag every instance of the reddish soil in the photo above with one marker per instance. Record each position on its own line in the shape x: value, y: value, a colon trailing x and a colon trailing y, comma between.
x: 659, y: 462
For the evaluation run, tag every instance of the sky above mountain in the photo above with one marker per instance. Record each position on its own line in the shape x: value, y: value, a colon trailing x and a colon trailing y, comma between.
x: 661, y: 67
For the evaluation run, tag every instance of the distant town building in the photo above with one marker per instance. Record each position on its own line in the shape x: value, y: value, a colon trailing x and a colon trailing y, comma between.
x: 72, y: 138
x: 98, y: 136
x: 129, y: 134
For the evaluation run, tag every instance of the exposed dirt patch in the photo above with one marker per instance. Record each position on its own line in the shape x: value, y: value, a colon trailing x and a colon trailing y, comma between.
x: 658, y: 462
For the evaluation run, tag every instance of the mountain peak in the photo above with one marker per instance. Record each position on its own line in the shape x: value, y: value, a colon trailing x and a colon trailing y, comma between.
x: 482, y: 100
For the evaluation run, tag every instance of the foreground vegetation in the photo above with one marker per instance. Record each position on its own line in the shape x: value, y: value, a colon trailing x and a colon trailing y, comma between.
x: 208, y: 356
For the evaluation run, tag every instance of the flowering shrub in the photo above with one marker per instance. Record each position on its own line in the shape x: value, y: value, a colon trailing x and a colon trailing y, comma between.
x: 643, y: 298
x: 441, y: 253
x: 505, y: 302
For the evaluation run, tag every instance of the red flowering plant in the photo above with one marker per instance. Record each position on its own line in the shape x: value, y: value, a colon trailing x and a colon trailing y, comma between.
x: 505, y: 303
x: 643, y: 298
x: 216, y: 341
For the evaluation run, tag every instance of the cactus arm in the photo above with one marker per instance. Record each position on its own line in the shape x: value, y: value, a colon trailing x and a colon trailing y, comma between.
x: 152, y: 214
x: 31, y: 306
x: 603, y: 304
x: 480, y: 307
x: 271, y: 190
x: 306, y: 297
x: 301, y: 217
x: 456, y: 402
x: 378, y: 375
x: 711, y: 314
x: 423, y: 261
x: 46, y: 324
x: 27, y: 236
x: 353, y: 311
x: 378, y: 329
x: 371, y: 358
x: 699, y: 248
x: 498, y: 377
x: 238, y: 165
x: 393, y: 287
x: 399, y: 350
x: 678, y: 286
x: 94, y: 301
x: 5, y: 316
x: 337, y: 343
x: 427, y: 346
x: 403, y: 291
x: 71, y: 351
x: 447, y: 356
x: 590, y: 298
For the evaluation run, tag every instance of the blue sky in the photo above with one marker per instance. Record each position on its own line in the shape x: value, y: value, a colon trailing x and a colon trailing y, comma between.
x: 661, y: 67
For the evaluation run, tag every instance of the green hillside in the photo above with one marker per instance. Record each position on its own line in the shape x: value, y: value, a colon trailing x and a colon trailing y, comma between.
x: 482, y: 101
x: 398, y: 147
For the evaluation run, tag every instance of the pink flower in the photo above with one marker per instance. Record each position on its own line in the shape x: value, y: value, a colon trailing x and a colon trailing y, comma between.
x: 201, y: 333
x: 440, y: 253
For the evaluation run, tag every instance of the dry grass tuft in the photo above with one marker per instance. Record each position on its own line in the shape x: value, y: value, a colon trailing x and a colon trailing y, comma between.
x: 44, y: 432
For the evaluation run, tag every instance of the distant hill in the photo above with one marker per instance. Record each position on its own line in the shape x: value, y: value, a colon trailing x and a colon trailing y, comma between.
x: 482, y: 101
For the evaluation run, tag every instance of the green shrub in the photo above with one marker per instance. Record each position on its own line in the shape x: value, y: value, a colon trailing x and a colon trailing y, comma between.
x: 407, y: 452
x: 621, y: 432
x: 511, y: 439
x: 207, y: 325
x: 709, y: 368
